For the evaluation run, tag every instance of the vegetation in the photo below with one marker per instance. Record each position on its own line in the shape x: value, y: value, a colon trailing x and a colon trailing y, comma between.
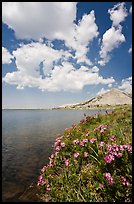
x: 91, y: 161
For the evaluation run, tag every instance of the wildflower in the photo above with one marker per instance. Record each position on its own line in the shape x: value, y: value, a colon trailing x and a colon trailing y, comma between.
x: 56, y: 153
x: 128, y: 148
x: 67, y: 162
x: 43, y: 169
x: 119, y: 155
x: 76, y: 141
x: 76, y: 154
x: 101, y: 186
x: 58, y: 148
x: 82, y: 143
x: 124, y: 181
x: 41, y: 181
x: 113, y: 138
x: 92, y: 140
x: 109, y: 178
x: 101, y: 144
x: 85, y: 140
x: 109, y: 158
x: 85, y: 154
x: 52, y: 156
x: 48, y: 187
x: 62, y: 144
x: 121, y: 148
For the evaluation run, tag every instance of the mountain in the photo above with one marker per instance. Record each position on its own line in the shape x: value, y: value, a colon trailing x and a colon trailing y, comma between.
x: 111, y: 98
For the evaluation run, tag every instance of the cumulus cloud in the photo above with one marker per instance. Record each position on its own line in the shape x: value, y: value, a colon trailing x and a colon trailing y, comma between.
x: 112, y: 38
x: 102, y: 91
x: 35, y: 20
x: 58, y: 73
x: 118, y: 13
x: 130, y: 49
x: 126, y: 85
x: 53, y: 20
x: 6, y: 56
x: 83, y: 35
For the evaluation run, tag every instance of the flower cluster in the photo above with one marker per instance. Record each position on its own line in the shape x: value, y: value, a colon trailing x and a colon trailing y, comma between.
x: 92, y: 140
x: 85, y: 154
x: 76, y: 154
x: 124, y: 181
x: 101, y: 128
x: 76, y: 141
x: 109, y: 178
x: 41, y: 181
x: 109, y: 158
x: 66, y: 162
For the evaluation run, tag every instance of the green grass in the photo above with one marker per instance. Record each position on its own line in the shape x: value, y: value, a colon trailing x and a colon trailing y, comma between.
x: 83, y: 179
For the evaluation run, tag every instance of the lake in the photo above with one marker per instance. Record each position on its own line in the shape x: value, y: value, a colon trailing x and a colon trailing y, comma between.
x: 27, y: 139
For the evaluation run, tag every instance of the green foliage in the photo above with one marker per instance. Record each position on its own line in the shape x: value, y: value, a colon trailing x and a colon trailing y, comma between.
x: 82, y: 170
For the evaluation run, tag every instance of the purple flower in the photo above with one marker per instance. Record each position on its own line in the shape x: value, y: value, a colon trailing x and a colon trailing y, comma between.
x: 85, y: 140
x: 109, y: 178
x: 113, y: 138
x: 92, y: 140
x: 62, y: 144
x: 82, y: 143
x: 101, y: 186
x: 67, y: 162
x: 109, y: 158
x: 119, y: 155
x: 76, y: 154
x: 101, y: 144
x: 58, y: 148
x: 76, y: 141
x: 85, y: 154
x: 124, y: 181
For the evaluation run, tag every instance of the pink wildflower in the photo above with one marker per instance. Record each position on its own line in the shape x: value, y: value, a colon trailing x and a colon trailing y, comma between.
x: 113, y: 138
x: 76, y: 154
x: 109, y: 158
x: 92, y: 140
x: 82, y: 143
x: 101, y: 186
x: 85, y: 140
x: 101, y: 144
x: 52, y: 156
x: 109, y: 178
x: 62, y: 144
x: 58, y: 148
x: 119, y: 155
x: 85, y: 154
x: 124, y: 181
x: 76, y: 141
x: 67, y: 162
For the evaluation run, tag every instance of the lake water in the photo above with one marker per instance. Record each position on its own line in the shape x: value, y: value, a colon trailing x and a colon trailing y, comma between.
x: 27, y: 139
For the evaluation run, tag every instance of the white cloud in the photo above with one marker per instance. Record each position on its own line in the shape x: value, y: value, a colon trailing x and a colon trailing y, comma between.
x: 112, y: 38
x: 126, y: 85
x: 130, y: 49
x: 102, y: 91
x: 35, y: 20
x: 57, y: 77
x: 130, y: 10
x: 118, y: 13
x: 27, y: 25
x: 6, y: 56
x: 109, y: 85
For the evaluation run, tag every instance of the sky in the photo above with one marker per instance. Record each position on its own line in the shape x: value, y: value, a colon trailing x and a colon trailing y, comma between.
x: 56, y: 53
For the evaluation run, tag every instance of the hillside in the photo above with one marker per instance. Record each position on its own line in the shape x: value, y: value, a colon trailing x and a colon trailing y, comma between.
x: 111, y: 98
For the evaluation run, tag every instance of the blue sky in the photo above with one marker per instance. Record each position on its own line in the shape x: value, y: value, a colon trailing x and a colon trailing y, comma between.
x: 56, y: 53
